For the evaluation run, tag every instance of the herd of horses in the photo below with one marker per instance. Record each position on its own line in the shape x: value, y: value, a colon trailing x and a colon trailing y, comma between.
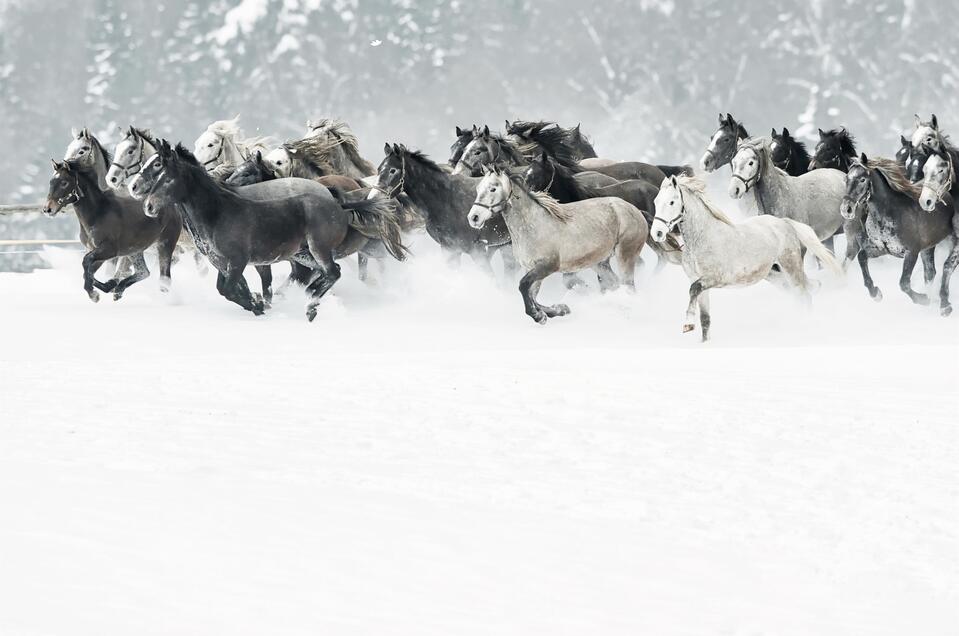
x: 537, y: 193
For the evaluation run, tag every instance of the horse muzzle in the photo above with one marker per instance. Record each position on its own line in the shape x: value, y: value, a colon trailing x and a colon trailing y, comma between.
x: 737, y: 188
x: 150, y: 208
x: 52, y: 208
x: 847, y: 209
x: 927, y: 200
x: 477, y: 217
x: 707, y: 162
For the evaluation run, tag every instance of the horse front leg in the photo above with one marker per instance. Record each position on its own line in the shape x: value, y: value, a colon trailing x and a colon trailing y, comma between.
x: 697, y: 288
x: 704, y: 318
x: 905, y: 279
x: 266, y: 282
x: 92, y: 261
x: 236, y: 289
x: 867, y: 277
x: 928, y: 264
x: 481, y: 256
x: 140, y: 272
x: 529, y: 288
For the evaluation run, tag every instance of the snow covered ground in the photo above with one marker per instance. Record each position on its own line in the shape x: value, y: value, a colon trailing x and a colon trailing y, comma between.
x: 424, y: 459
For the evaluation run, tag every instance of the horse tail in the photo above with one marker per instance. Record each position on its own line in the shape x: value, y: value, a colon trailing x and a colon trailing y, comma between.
x: 676, y: 171
x: 376, y: 219
x: 807, y: 236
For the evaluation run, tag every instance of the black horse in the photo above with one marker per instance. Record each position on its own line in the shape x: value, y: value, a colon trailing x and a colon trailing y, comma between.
x: 113, y: 226
x: 560, y: 182
x: 788, y: 153
x: 722, y: 145
x: 569, y: 143
x: 836, y: 149
x: 886, y: 203
x: 463, y: 138
x: 443, y: 199
x: 264, y: 223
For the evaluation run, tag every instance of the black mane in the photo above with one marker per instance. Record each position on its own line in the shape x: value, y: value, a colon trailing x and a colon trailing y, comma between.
x: 847, y: 143
x: 549, y: 136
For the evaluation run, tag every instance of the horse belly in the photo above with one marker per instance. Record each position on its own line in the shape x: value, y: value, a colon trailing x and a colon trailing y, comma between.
x: 884, y: 235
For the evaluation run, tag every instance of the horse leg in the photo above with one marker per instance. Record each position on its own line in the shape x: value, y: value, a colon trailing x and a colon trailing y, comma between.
x: 829, y: 244
x: 867, y: 277
x: 928, y: 264
x: 329, y: 273
x: 697, y: 288
x: 140, y: 271
x: 627, y: 253
x: 510, y: 265
x: 166, y: 248
x: 364, y: 265
x: 266, y: 282
x: 481, y: 257
x: 573, y: 280
x: 945, y: 308
x: 704, y: 318
x: 905, y: 280
x: 236, y: 289
x: 608, y: 280
x: 853, y: 231
x: 91, y: 263
x: 529, y: 287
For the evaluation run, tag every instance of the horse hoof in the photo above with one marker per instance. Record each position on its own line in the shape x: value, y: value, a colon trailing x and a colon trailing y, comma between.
x: 946, y: 311
x: 920, y: 299
x: 562, y: 310
x: 164, y: 285
x: 688, y: 327
x: 117, y: 296
x: 541, y: 318
x: 310, y: 313
x: 877, y: 295
x: 94, y: 296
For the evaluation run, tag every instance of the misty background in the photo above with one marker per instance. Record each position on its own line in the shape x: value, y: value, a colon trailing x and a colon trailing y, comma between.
x: 646, y: 78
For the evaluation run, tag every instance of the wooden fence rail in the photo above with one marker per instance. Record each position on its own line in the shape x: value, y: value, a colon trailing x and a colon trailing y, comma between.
x: 21, y: 209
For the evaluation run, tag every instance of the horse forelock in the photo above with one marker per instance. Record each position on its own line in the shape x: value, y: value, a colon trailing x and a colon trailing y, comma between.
x: 226, y: 128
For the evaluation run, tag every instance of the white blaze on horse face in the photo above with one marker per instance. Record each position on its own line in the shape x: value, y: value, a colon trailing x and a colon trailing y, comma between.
x: 134, y: 185
x: 710, y: 151
x: 460, y: 167
x: 279, y: 161
x: 669, y: 206
x: 745, y: 165
x: 207, y: 148
x: 936, y: 174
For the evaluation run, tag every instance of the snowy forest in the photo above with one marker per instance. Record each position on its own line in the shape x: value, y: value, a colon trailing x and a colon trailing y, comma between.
x: 645, y: 77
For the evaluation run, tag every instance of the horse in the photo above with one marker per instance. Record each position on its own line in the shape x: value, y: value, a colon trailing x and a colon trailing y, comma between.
x: 132, y: 150
x: 880, y: 197
x: 115, y: 226
x: 257, y: 170
x: 939, y: 179
x: 812, y: 199
x: 339, y: 148
x: 442, y: 198
x: 720, y: 253
x: 463, y: 137
x: 284, y: 219
x: 290, y: 160
x: 904, y: 152
x: 489, y: 148
x: 560, y: 182
x: 926, y: 133
x: 550, y: 237
x: 836, y: 149
x: 533, y: 135
x: 722, y: 145
x: 788, y: 153
x: 222, y: 146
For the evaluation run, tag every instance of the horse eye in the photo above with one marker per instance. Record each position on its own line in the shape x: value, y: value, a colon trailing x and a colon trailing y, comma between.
x: 130, y: 151
x: 862, y: 179
x: 209, y: 145
x: 492, y: 188
x: 157, y: 165
x: 392, y: 170
x: 750, y: 163
x: 672, y: 203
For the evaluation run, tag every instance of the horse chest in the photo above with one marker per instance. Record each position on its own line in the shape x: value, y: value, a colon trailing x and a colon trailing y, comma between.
x: 884, y: 234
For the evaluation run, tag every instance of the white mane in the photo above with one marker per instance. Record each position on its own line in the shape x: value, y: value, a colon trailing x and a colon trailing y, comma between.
x: 694, y: 189
x: 226, y: 128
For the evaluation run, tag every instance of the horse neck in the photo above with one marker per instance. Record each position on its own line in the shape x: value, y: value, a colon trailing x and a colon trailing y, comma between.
x: 698, y: 226
x: 100, y: 166
x: 563, y: 188
x: 94, y: 201
x: 885, y: 201
x: 202, y: 203
x: 426, y: 189
x: 232, y: 155
x: 525, y: 218
x: 770, y: 185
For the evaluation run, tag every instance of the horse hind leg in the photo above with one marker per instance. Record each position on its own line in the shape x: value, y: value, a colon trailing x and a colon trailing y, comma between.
x: 329, y: 273
x: 945, y: 308
x: 867, y: 277
x: 905, y: 280
x: 266, y: 282
x: 608, y: 280
x: 705, y: 320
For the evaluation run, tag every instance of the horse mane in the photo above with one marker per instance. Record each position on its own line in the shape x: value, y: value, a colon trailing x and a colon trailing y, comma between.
x: 548, y: 136
x: 226, y: 127
x: 847, y: 143
x: 145, y: 134
x: 198, y: 173
x: 338, y: 133
x: 696, y: 186
x: 565, y: 176
x: 552, y: 207
x: 311, y: 152
x: 741, y: 131
x: 510, y: 148
x: 895, y: 176
x: 420, y: 158
x: 107, y: 155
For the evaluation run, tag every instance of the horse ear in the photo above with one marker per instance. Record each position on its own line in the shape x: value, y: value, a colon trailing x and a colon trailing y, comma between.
x: 56, y: 166
x: 935, y: 122
x: 396, y: 148
x: 507, y: 124
x: 475, y: 129
x: 785, y: 132
x: 459, y: 132
x: 918, y: 120
x: 863, y: 159
x: 773, y: 133
x: 486, y: 170
x: 74, y: 133
x: 672, y: 180
x: 903, y: 140
x: 258, y: 156
x: 387, y: 150
x: 729, y: 118
x: 722, y: 120
x: 486, y: 131
x: 822, y: 133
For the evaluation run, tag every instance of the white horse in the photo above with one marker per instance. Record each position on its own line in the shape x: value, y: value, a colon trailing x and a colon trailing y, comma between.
x: 926, y: 133
x: 341, y: 149
x: 223, y: 146
x: 939, y: 175
x: 550, y: 237
x: 813, y: 198
x: 131, y: 152
x: 720, y: 253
